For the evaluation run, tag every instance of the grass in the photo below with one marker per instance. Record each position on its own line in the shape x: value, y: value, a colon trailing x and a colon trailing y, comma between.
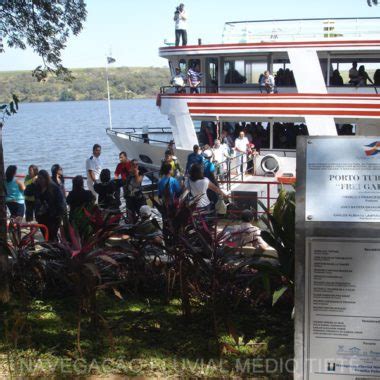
x: 144, y: 338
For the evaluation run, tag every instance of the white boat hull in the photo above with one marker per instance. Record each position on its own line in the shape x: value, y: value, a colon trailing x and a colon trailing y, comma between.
x: 148, y: 155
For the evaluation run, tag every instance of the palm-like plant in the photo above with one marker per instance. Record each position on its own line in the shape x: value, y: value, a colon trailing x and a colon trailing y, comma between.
x: 280, y: 234
x: 372, y: 2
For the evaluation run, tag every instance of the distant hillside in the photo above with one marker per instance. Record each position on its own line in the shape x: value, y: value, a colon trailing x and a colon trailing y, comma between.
x: 89, y: 84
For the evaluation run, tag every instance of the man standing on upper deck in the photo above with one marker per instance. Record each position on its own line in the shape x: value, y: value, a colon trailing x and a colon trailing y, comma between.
x: 180, y: 18
x: 93, y: 168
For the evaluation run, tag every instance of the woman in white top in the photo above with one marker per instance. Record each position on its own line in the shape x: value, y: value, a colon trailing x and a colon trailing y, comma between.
x: 198, y: 185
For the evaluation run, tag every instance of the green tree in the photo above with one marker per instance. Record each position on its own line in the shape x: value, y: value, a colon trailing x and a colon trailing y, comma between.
x: 44, y: 26
x: 6, y: 110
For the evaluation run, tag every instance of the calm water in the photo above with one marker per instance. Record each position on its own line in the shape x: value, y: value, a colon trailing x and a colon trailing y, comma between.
x: 64, y: 132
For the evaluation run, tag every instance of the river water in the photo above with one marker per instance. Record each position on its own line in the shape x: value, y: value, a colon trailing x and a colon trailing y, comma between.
x: 64, y: 132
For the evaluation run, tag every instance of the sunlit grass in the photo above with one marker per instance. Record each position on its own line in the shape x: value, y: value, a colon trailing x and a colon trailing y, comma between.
x: 143, y: 338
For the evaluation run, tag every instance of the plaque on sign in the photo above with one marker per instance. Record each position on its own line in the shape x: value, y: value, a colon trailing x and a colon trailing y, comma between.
x: 342, y: 321
x: 343, y: 179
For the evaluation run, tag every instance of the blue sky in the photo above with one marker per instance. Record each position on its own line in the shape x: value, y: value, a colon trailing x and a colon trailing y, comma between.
x: 134, y: 29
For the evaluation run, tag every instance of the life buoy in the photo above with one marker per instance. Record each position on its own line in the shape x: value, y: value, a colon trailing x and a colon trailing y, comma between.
x: 270, y: 164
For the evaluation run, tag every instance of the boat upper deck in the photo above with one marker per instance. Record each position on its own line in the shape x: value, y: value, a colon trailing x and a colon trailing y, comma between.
x: 280, y: 35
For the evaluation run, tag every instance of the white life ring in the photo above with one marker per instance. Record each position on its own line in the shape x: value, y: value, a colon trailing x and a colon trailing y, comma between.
x: 270, y: 164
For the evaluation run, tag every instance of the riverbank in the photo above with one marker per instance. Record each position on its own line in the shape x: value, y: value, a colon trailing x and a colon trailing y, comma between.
x: 89, y: 84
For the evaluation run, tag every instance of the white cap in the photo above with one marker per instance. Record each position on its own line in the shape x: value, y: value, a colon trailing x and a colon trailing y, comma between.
x: 207, y: 153
x: 145, y: 211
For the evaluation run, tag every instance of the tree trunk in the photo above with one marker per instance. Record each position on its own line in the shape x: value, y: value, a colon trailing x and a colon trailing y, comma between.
x: 4, y: 283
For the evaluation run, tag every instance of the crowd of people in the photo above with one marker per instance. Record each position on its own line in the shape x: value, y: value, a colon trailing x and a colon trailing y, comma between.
x: 42, y: 196
x: 357, y: 77
x: 193, y: 79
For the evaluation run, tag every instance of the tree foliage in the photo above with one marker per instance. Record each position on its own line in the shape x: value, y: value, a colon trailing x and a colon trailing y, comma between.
x: 43, y: 25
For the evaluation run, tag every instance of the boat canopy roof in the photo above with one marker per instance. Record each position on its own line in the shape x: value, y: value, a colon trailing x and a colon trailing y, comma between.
x: 300, y: 29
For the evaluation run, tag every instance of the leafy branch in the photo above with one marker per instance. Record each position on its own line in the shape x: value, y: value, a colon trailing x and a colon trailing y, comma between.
x: 9, y: 109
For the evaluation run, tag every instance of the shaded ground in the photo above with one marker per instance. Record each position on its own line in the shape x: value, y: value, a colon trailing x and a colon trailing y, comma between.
x: 145, y: 339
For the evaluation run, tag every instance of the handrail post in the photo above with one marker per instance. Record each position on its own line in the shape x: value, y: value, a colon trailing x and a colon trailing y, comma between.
x: 242, y: 167
x: 268, y: 197
x: 228, y: 173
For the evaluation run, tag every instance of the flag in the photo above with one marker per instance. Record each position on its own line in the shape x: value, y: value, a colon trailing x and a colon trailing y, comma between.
x: 110, y: 60
x: 374, y: 148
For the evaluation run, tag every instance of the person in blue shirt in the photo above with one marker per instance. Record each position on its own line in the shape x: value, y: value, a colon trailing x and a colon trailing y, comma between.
x: 194, y: 158
x: 168, y: 187
x: 209, y: 172
x: 14, y: 190
x: 208, y: 165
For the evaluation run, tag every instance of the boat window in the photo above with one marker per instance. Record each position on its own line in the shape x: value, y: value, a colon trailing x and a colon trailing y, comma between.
x: 211, y: 75
x: 285, y: 134
x: 234, y: 72
x: 212, y: 69
x: 346, y: 129
x: 283, y: 74
x: 253, y: 71
x: 367, y: 72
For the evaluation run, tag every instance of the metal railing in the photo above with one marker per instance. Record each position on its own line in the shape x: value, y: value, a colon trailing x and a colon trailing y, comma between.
x: 300, y: 29
x: 212, y: 89
x: 250, y: 88
x: 139, y: 137
x: 153, y: 130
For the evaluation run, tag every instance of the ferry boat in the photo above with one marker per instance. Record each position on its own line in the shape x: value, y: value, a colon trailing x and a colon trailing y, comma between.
x: 304, y: 55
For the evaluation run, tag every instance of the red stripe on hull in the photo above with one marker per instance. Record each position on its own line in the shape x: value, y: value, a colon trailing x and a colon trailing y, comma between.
x: 286, y: 105
x: 297, y: 112
x: 295, y: 95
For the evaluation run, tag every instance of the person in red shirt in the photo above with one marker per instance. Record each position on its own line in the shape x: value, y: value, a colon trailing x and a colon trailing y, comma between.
x: 123, y: 168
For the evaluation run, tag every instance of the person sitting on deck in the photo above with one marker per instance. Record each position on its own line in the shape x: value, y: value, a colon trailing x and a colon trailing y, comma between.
x: 176, y: 168
x: 246, y: 234
x: 148, y: 225
x: 78, y: 197
x: 194, y: 158
x: 14, y: 194
x: 194, y: 77
x: 179, y: 81
x: 267, y: 81
x: 109, y: 191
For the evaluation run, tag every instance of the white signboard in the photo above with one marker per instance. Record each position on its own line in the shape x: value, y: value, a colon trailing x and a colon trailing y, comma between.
x: 343, y: 179
x: 342, y: 321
